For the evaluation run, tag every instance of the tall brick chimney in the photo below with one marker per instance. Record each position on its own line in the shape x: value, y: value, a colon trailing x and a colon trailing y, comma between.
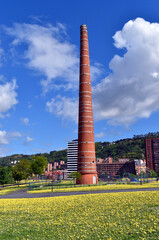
x: 86, y: 145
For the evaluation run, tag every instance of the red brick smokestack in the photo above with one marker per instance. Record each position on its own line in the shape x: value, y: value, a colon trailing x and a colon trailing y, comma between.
x: 86, y: 145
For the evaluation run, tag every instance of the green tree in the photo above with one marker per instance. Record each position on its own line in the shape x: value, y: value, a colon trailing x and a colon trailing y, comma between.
x: 23, y: 169
x: 153, y: 174
x: 18, y: 175
x: 38, y: 165
x: 5, y: 175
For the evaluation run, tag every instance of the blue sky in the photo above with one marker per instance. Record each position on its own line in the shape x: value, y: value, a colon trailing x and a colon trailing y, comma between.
x: 39, y: 60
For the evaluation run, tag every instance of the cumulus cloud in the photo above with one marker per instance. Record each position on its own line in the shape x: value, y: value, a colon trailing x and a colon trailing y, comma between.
x: 130, y: 92
x: 6, y: 137
x: 63, y: 107
x: 25, y: 121
x: 8, y: 96
x: 50, y: 54
x: 47, y: 51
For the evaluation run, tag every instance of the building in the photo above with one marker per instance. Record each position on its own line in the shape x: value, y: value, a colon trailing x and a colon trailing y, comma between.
x: 115, y: 168
x: 108, y: 160
x: 49, y: 167
x: 55, y: 175
x: 152, y: 153
x: 86, y: 145
x: 72, y: 156
x: 140, y: 166
x: 99, y: 160
x: 56, y: 165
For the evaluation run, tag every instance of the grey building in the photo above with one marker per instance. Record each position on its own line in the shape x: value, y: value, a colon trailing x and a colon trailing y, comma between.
x: 72, y: 156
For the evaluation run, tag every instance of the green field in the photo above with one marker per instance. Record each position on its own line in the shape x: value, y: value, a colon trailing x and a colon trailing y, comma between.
x: 99, y: 216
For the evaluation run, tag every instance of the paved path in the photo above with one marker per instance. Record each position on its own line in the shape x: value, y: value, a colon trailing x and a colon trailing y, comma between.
x: 24, y: 194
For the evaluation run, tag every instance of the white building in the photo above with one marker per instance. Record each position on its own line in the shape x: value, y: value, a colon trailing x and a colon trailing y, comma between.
x: 72, y: 156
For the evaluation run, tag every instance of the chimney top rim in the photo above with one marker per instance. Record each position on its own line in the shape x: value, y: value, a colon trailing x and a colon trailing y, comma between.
x: 83, y: 26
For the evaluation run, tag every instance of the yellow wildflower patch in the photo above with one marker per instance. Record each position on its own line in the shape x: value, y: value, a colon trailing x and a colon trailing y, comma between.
x: 113, y: 216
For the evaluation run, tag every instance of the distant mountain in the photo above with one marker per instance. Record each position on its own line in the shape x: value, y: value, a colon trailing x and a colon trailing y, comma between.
x: 133, y: 148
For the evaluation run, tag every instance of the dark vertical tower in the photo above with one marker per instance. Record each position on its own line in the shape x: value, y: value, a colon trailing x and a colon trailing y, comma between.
x: 86, y: 145
x: 152, y: 153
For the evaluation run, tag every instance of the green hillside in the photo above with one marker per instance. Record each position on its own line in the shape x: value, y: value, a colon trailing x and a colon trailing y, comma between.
x: 133, y: 148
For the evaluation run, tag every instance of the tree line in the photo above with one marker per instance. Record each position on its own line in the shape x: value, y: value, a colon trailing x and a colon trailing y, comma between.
x: 53, y: 156
x: 22, y: 170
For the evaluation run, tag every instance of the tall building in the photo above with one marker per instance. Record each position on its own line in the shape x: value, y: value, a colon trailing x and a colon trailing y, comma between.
x: 86, y: 145
x: 152, y: 153
x: 72, y: 156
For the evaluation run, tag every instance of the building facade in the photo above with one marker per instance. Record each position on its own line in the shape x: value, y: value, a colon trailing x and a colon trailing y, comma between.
x: 72, y: 156
x: 86, y: 145
x: 140, y: 166
x: 152, y: 153
x: 115, y: 168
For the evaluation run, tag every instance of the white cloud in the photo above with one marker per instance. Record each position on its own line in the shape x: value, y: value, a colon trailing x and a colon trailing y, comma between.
x: 3, y: 138
x: 100, y: 135
x: 25, y: 121
x: 47, y: 51
x: 131, y: 91
x: 6, y: 137
x: 28, y: 140
x: 155, y: 74
x: 50, y: 54
x: 63, y: 107
x: 14, y: 134
x: 8, y: 96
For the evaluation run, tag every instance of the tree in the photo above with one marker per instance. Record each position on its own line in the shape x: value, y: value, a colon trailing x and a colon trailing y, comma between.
x: 22, y: 170
x: 5, y: 175
x: 38, y: 165
x: 18, y: 176
x: 153, y: 174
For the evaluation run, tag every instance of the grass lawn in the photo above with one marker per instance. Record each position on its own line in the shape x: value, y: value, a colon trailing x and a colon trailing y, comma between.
x: 112, y: 216
x: 96, y: 187
x: 7, y: 190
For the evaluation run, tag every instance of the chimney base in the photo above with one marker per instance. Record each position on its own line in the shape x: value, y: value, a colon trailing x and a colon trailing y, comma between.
x: 88, y: 178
